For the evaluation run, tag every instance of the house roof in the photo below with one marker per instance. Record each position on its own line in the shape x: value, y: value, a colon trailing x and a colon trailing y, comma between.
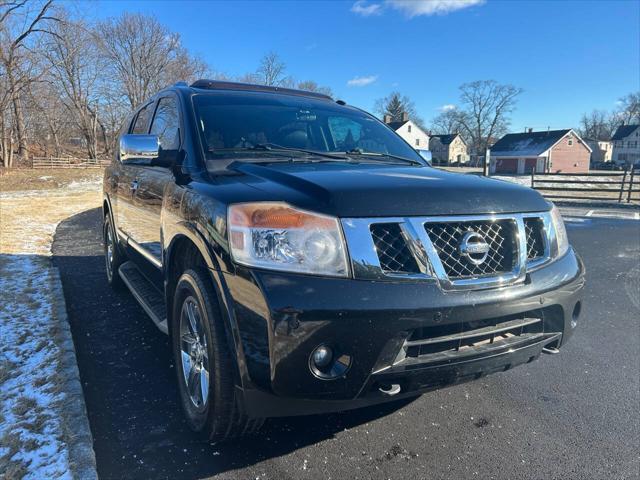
x: 624, y: 131
x: 525, y: 144
x: 446, y: 139
x: 396, y: 125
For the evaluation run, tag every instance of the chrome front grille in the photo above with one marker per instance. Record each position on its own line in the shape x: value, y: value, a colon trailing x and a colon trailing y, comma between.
x: 446, y: 238
x: 460, y: 252
x: 392, y: 248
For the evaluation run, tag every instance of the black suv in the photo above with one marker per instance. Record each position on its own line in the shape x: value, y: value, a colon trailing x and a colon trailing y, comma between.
x: 303, y: 258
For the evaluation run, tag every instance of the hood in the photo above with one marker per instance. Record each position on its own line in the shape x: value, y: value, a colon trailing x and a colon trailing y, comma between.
x: 376, y: 190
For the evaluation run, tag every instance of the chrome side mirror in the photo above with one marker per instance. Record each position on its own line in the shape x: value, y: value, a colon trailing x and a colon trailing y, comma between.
x: 137, y: 148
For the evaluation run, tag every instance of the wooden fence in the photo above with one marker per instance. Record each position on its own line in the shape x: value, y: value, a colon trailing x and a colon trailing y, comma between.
x: 609, y: 186
x: 68, y: 162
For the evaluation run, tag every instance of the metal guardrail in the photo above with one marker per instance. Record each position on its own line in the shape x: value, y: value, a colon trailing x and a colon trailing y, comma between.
x: 611, y: 185
x: 67, y: 162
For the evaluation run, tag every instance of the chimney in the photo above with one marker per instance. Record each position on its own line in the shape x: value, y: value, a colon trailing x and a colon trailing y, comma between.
x: 387, y: 118
x: 531, y: 130
x: 405, y: 117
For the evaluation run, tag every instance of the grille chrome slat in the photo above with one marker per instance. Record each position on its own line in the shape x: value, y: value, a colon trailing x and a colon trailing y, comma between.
x: 471, y: 336
x: 416, y: 253
x: 490, y: 330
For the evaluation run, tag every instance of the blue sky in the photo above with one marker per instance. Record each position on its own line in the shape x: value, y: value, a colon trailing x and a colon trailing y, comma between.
x: 569, y: 57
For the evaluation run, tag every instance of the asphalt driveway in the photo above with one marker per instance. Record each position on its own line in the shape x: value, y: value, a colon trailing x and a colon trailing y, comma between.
x: 572, y: 416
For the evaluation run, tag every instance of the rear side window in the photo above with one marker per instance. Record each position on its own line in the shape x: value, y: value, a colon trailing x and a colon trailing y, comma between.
x: 166, y: 124
x: 142, y: 120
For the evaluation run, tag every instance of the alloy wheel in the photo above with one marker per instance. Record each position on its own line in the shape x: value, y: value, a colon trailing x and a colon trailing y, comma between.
x: 108, y: 245
x: 194, y: 353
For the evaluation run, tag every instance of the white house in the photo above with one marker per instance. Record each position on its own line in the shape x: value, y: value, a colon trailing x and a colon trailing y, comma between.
x: 601, y: 150
x: 626, y: 144
x: 447, y: 149
x: 412, y: 133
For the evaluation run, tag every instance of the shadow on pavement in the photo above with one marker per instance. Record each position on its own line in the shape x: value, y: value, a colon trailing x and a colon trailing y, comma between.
x: 129, y: 382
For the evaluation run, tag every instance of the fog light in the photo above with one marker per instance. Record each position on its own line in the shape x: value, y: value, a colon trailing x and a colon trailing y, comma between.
x: 322, y: 356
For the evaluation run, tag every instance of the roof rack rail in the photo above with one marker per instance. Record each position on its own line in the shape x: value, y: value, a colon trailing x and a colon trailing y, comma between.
x: 224, y: 85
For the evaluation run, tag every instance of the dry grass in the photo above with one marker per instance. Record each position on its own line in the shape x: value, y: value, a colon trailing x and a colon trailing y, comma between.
x: 11, y: 469
x: 27, y: 223
x: 24, y: 405
x: 45, y: 179
x: 6, y: 367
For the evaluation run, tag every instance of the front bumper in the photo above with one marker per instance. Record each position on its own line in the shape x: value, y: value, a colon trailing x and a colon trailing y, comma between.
x: 282, y: 318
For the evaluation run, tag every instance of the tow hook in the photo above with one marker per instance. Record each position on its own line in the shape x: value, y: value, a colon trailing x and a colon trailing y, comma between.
x: 390, y: 390
x: 550, y: 350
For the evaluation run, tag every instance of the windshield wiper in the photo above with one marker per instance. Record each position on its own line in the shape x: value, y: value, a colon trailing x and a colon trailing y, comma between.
x: 276, y: 147
x: 356, y: 151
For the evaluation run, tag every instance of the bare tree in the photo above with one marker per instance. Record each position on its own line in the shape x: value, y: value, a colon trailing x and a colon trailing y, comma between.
x: 446, y: 122
x: 48, y: 117
x: 311, y: 86
x: 76, y: 69
x: 272, y: 72
x: 395, y: 105
x: 144, y: 55
x: 22, y: 24
x: 597, y: 125
x: 485, y: 113
x: 629, y: 112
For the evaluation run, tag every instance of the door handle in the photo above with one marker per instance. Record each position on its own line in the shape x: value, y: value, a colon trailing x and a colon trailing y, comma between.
x: 134, y: 185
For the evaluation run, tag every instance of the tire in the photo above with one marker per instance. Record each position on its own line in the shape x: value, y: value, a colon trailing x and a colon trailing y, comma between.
x: 200, y: 349
x: 113, y: 259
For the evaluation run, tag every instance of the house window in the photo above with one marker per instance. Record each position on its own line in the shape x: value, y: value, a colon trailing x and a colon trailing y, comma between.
x: 409, y: 128
x: 417, y: 142
x: 570, y: 142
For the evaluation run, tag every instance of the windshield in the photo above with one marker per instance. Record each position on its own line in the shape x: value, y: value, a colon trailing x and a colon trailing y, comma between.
x: 246, y: 125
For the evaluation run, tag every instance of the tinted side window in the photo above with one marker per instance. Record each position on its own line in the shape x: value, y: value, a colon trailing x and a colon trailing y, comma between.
x: 166, y: 124
x: 142, y: 120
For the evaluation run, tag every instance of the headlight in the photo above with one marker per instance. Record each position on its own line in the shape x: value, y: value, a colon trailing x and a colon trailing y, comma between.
x: 562, y: 241
x: 278, y: 236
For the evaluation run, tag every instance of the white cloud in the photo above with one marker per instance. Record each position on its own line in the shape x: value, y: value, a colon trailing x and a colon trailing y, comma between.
x: 362, y: 81
x: 447, y: 108
x: 361, y: 7
x: 416, y: 8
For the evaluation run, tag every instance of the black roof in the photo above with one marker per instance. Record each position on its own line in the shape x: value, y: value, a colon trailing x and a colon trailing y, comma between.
x: 624, y: 131
x: 446, y: 139
x: 530, y: 143
x: 224, y: 85
x: 396, y: 125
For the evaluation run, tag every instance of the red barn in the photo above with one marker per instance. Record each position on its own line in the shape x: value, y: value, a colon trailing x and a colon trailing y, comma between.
x: 552, y: 151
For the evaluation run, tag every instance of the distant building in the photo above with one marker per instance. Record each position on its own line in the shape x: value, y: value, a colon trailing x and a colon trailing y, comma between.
x: 447, y: 149
x: 601, y: 150
x: 412, y: 133
x: 552, y: 151
x: 626, y: 144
